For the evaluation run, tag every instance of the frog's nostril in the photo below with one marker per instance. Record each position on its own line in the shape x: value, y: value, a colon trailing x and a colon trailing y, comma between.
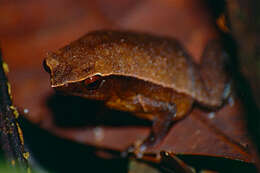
x: 46, y: 67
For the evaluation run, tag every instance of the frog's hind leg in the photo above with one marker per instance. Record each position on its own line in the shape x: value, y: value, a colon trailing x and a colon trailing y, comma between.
x: 160, y: 128
x: 164, y: 115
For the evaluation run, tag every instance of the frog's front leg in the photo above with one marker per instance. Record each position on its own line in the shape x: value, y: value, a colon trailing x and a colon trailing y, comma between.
x: 164, y: 114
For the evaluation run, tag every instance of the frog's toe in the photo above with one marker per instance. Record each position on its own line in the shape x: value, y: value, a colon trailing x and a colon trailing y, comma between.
x: 131, y: 149
x: 138, y: 149
x: 142, y: 148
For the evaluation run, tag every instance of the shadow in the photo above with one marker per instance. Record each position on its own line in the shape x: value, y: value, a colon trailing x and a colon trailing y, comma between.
x: 60, y: 156
x: 217, y: 164
x: 71, y: 111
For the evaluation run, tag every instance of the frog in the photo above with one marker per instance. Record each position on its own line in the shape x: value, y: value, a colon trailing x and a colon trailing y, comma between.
x: 153, y: 77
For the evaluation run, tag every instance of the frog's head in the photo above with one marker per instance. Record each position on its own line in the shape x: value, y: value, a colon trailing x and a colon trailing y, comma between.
x: 75, y: 79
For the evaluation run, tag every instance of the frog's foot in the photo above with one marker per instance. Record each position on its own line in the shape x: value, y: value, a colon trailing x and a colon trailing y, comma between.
x: 138, y: 149
x: 164, y: 115
x: 133, y: 149
x: 159, y: 130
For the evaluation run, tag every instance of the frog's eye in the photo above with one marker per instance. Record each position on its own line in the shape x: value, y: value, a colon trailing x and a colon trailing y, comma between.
x: 93, y: 83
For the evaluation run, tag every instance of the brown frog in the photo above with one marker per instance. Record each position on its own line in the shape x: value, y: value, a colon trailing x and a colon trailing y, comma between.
x: 152, y: 77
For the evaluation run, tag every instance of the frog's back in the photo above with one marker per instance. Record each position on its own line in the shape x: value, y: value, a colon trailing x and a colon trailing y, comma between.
x: 159, y: 60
